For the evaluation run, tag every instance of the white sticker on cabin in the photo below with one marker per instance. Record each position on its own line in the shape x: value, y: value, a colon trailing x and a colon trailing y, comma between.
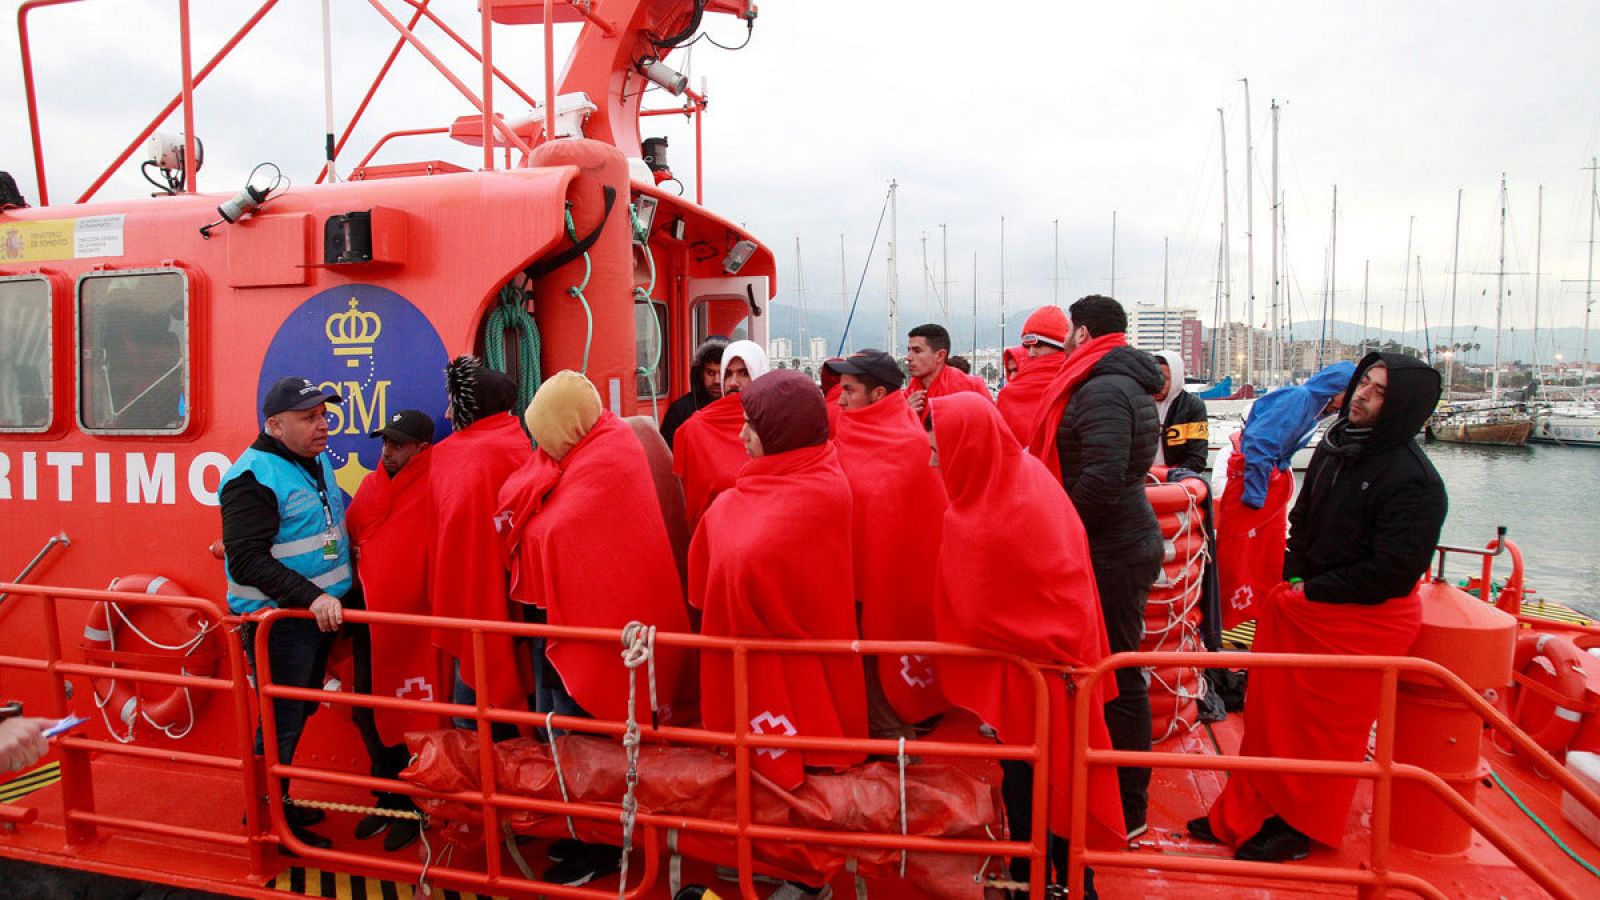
x: 97, y: 236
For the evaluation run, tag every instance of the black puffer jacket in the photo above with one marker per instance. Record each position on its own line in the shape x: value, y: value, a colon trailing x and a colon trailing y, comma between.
x: 699, y: 396
x: 1368, y: 517
x: 1105, y: 442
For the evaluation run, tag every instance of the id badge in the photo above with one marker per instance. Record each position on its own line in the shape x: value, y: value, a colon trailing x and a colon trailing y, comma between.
x: 330, y: 546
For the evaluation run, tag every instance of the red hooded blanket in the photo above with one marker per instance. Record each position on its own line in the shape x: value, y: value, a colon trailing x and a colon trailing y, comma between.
x: 391, y: 528
x: 1250, y: 542
x: 469, y: 578
x: 1047, y: 412
x: 832, y: 396
x: 949, y: 380
x: 1019, y: 400
x: 1014, y: 576
x: 585, y: 541
x: 707, y: 453
x: 771, y: 560
x: 898, y: 506
x: 1310, y: 713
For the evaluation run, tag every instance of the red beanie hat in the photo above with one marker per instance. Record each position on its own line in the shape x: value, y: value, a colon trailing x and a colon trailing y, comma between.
x: 1047, y: 325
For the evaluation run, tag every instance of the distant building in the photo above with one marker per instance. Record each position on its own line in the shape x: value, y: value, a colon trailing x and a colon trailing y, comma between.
x: 1152, y: 327
x: 780, y: 348
x: 819, y: 348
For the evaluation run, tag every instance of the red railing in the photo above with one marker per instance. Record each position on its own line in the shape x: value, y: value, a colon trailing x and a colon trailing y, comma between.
x: 1381, y: 769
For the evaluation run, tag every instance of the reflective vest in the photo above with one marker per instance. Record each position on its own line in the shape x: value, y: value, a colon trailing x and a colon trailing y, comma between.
x: 306, y: 516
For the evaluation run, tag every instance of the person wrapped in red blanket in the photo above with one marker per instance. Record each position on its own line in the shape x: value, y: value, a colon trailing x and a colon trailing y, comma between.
x: 706, y: 451
x: 771, y: 559
x: 1014, y: 576
x: 898, y: 506
x: 470, y: 579
x: 1360, y: 536
x: 927, y: 355
x: 1044, y: 337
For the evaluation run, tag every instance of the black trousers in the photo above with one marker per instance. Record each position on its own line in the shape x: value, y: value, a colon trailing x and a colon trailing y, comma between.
x: 1124, y: 581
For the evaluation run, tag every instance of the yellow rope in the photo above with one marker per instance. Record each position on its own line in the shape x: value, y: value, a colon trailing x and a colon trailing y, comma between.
x: 354, y: 808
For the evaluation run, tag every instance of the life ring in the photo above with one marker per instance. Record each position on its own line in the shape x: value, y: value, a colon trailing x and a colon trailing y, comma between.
x: 163, y: 634
x: 1551, y: 725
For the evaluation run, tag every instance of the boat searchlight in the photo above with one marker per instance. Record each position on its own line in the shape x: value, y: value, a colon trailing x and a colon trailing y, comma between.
x: 664, y: 75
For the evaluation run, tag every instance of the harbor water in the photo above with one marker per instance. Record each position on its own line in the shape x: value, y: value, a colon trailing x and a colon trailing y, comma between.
x: 1548, y: 497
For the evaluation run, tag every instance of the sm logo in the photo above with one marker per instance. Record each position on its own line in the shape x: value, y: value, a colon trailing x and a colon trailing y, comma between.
x: 377, y: 351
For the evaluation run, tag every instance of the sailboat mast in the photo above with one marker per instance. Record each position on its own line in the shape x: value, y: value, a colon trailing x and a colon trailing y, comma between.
x: 1366, y: 282
x: 1113, y: 253
x: 1500, y: 289
x: 974, y: 307
x: 1538, y: 254
x: 800, y: 296
x: 1055, y: 268
x: 1588, y: 283
x: 844, y: 283
x: 944, y: 267
x: 1333, y: 263
x: 1165, y: 302
x: 1405, y: 293
x: 1002, y: 284
x: 1455, y: 270
x: 1249, y: 242
x: 1227, y: 281
x: 1276, y: 352
x: 894, y: 268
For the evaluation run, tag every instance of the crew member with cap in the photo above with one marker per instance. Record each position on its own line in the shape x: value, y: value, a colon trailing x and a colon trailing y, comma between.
x: 392, y: 534
x: 1044, y: 337
x: 897, y: 504
x: 1014, y: 576
x: 587, y: 546
x: 927, y: 355
x: 1361, y: 535
x: 753, y: 578
x: 705, y: 386
x: 471, y: 580
x: 1185, y: 430
x: 707, y: 451
x: 284, y: 532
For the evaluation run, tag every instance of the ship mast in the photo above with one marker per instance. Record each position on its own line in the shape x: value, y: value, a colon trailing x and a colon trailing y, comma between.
x: 1002, y: 284
x: 1455, y: 260
x: 1113, y: 291
x: 803, y: 349
x: 1276, y: 352
x: 974, y: 307
x: 1405, y: 293
x: 1249, y: 242
x: 1538, y: 254
x: 1333, y: 261
x: 894, y: 267
x: 1500, y: 289
x: 1588, y: 284
x: 1227, y: 279
x: 844, y: 284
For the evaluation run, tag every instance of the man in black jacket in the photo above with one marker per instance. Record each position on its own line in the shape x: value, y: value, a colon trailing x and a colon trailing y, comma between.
x: 1185, y: 430
x: 1105, y: 441
x: 705, y: 385
x: 1361, y: 535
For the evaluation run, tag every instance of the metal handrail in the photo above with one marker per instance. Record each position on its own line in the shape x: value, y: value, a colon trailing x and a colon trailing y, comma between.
x: 55, y: 540
x: 1382, y: 770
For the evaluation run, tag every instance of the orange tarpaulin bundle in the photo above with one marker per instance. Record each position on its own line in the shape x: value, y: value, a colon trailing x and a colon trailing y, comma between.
x: 954, y: 800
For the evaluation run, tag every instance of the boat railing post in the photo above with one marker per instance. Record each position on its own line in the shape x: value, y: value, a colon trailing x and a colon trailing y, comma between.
x: 77, y: 784
x: 191, y: 170
x: 1383, y: 785
x: 741, y: 765
x: 486, y: 760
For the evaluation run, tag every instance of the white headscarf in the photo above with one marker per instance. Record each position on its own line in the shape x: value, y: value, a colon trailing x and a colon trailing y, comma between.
x: 1174, y: 361
x: 755, y: 358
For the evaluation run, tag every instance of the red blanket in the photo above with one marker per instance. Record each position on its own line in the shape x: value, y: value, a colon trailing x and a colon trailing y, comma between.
x: 707, y: 453
x: 771, y: 559
x: 949, y: 380
x: 470, y: 578
x: 898, y: 506
x: 1019, y: 400
x: 1250, y: 542
x: 832, y: 396
x: 1047, y: 414
x: 1309, y: 713
x: 1014, y: 576
x: 585, y: 541
x: 391, y: 529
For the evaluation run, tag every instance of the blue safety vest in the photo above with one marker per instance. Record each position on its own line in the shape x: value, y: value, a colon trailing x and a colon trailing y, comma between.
x: 307, y: 514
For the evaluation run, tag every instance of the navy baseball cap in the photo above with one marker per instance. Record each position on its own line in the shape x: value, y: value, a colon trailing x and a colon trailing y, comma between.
x: 875, y: 364
x: 296, y: 393
x: 408, y: 426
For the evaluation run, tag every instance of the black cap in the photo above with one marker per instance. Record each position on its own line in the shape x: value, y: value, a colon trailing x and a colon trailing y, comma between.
x: 296, y: 393
x: 408, y: 426
x: 874, y: 364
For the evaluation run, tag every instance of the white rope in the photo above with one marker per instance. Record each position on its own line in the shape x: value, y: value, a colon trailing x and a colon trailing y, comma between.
x: 187, y: 648
x: 1180, y: 632
x: 902, y: 754
x: 638, y: 649
x: 561, y: 778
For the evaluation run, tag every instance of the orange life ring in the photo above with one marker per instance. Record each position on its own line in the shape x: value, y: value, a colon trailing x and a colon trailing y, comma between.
x: 179, y: 635
x: 1551, y: 725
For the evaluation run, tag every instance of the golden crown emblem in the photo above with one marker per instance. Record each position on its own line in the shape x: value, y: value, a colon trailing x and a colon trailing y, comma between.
x: 353, y: 333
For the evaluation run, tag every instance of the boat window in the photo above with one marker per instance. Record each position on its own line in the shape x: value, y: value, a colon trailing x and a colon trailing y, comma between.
x: 651, y: 346
x: 25, y: 390
x: 133, y: 352
x: 728, y: 316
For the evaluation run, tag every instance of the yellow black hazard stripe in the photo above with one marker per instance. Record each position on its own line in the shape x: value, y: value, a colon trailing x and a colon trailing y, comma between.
x: 1240, y: 636
x: 23, y: 785
x: 344, y: 886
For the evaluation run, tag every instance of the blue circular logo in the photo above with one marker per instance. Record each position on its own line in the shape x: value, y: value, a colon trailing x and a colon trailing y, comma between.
x: 378, y: 351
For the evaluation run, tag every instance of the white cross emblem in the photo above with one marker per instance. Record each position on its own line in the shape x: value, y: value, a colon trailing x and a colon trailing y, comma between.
x: 767, y: 723
x: 1242, y: 598
x: 916, y: 670
x: 418, y: 686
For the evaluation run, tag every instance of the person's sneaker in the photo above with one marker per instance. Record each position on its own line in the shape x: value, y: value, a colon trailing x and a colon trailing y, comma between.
x: 1200, y: 830
x: 563, y: 848
x: 791, y: 891
x: 371, y: 825
x: 402, y: 832
x: 302, y: 816
x: 729, y: 873
x: 310, y: 838
x: 1140, y: 829
x: 1277, y: 841
x: 593, y: 861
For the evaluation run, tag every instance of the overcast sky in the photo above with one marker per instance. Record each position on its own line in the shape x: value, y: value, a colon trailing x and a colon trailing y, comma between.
x: 1037, y: 112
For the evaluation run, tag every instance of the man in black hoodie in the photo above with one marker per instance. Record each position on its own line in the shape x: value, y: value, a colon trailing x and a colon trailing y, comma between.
x: 705, y: 385
x: 1361, y: 534
x: 1105, y: 442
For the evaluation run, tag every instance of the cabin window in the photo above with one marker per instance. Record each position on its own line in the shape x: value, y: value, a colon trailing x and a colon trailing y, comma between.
x: 133, y: 352
x: 25, y: 390
x: 650, y: 348
x: 728, y: 316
